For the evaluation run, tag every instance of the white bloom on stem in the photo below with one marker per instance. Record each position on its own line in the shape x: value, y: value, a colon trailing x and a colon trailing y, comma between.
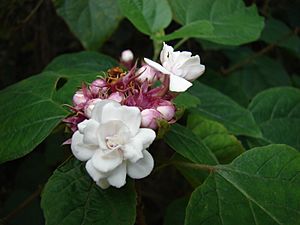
x: 113, y: 144
x: 182, y: 67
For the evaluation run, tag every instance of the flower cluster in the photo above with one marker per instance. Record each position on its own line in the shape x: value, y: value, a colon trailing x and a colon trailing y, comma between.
x: 115, y: 117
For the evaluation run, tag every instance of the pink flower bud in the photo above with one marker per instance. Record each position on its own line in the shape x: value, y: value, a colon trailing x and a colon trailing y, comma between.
x: 79, y: 99
x: 117, y: 96
x: 127, y: 56
x: 149, y: 117
x: 167, y: 111
x: 147, y: 73
x: 97, y: 85
x: 90, y: 106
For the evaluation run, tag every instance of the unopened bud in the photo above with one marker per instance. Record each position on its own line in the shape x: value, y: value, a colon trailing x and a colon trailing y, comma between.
x: 79, y: 99
x: 147, y: 73
x: 97, y: 85
x: 149, y: 117
x: 117, y: 96
x: 90, y: 106
x: 127, y: 56
x: 167, y: 111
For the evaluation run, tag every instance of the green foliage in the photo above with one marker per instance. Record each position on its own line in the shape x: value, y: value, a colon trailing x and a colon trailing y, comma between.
x: 177, y: 208
x: 215, y: 136
x: 216, y: 106
x: 277, y: 32
x: 37, y: 106
x: 221, y: 21
x: 277, y: 112
x: 71, y: 197
x: 184, y: 142
x: 91, y: 21
x: 259, y: 187
x: 149, y: 17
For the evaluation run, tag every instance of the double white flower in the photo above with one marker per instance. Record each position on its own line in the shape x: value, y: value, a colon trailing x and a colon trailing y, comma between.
x: 113, y: 144
x: 182, y: 67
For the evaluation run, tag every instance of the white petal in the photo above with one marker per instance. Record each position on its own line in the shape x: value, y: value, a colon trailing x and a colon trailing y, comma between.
x: 117, y: 178
x: 178, y: 84
x: 113, y: 128
x: 82, y: 125
x: 141, y: 168
x: 103, y: 183
x: 93, y: 172
x: 166, y: 52
x: 106, y: 161
x: 97, y: 111
x: 80, y: 150
x: 156, y: 66
x: 134, y: 148
x: 90, y: 132
x: 130, y: 116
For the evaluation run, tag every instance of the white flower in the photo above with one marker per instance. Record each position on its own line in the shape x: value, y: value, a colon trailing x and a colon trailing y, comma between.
x: 182, y: 67
x: 113, y: 144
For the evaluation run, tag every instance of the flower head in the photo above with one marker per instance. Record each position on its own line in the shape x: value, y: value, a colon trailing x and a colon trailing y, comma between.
x: 113, y: 144
x: 182, y: 67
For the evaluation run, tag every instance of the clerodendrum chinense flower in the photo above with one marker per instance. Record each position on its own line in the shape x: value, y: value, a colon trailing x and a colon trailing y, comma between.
x: 182, y: 67
x: 113, y: 144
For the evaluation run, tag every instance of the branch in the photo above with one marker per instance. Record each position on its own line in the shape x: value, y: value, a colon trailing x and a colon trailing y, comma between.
x: 258, y: 54
x: 22, y: 205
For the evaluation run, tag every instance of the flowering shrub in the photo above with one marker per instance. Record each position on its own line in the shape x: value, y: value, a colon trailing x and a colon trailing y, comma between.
x: 154, y: 135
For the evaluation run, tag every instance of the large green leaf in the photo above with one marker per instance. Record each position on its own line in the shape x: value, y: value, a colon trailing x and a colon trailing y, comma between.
x: 71, y: 197
x: 92, y: 21
x: 28, y: 115
x: 279, y: 33
x: 32, y: 108
x: 186, y: 143
x: 149, y: 17
x: 81, y: 63
x: 259, y: 75
x: 175, y: 213
x: 215, y: 136
x: 226, y: 22
x: 217, y: 106
x: 259, y: 187
x: 277, y: 112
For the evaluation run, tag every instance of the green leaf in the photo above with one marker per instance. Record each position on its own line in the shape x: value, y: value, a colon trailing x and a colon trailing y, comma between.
x: 277, y: 112
x: 259, y: 187
x: 186, y: 100
x: 72, y: 197
x: 279, y: 33
x: 149, y: 17
x: 216, y: 106
x: 92, y: 21
x: 215, y: 136
x: 176, y: 212
x: 32, y: 108
x: 81, y: 63
x: 28, y: 115
x: 186, y: 143
x: 231, y: 23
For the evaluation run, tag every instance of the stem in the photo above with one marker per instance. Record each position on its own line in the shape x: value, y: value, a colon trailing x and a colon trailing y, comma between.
x: 258, y: 54
x: 196, y: 166
x: 179, y: 43
x: 140, y: 218
x: 22, y: 205
x: 157, y: 47
x: 32, y: 12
